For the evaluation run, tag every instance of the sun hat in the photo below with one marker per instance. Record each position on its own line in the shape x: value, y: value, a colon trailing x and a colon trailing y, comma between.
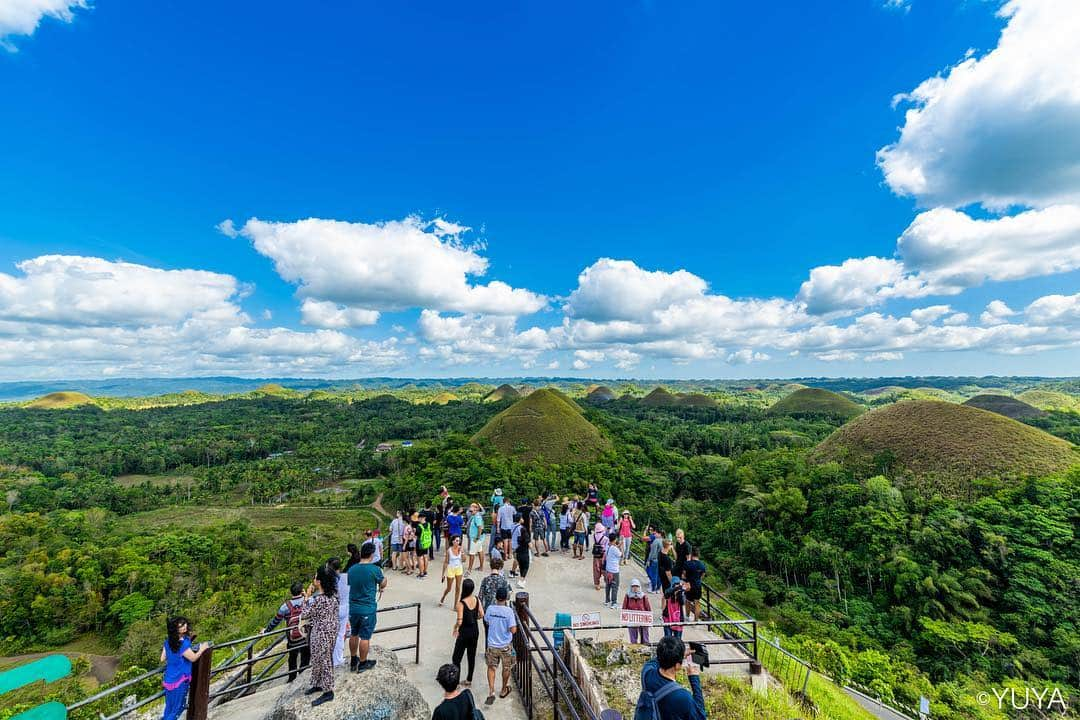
x: 498, y: 491
x: 635, y: 583
x: 610, y: 501
x: 625, y: 512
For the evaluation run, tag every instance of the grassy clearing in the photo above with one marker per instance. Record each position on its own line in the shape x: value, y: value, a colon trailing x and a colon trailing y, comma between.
x: 155, y: 480
x: 261, y: 517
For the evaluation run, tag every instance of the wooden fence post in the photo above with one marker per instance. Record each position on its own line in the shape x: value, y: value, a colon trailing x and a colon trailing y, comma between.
x: 199, y: 691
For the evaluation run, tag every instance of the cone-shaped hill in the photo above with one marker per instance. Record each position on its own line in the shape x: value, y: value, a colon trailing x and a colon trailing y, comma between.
x: 274, y: 390
x: 443, y: 398
x: 943, y: 446
x: 810, y: 401
x: 696, y: 400
x: 659, y: 397
x: 1004, y: 405
x: 503, y: 392
x: 543, y: 426
x: 601, y: 394
x: 1051, y: 400
x: 60, y: 401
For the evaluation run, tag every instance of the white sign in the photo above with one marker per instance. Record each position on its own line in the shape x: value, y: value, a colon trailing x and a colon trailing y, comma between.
x: 585, y: 621
x: 924, y: 705
x: 635, y: 617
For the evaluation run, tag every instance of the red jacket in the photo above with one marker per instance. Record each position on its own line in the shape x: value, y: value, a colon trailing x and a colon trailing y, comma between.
x: 641, y: 603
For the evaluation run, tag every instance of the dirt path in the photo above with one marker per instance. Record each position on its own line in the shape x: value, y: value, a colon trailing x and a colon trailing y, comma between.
x: 377, y: 505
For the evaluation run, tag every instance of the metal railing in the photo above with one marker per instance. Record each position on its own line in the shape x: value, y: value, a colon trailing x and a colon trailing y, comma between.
x: 248, y: 663
x: 537, y: 659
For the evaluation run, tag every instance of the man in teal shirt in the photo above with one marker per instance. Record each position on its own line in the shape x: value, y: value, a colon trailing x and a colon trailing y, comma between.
x: 365, y: 581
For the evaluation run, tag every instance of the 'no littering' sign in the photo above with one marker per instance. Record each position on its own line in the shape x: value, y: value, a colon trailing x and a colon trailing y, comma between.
x: 635, y: 617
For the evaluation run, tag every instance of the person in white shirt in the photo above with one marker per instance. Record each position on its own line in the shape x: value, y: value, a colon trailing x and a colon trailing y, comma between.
x: 397, y: 531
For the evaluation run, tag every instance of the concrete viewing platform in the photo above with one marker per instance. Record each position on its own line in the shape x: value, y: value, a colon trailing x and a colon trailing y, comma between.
x: 556, y: 584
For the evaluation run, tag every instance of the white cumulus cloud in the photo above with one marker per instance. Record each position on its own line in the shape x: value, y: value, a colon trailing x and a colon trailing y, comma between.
x: 385, y: 266
x: 1001, y: 129
x: 22, y: 17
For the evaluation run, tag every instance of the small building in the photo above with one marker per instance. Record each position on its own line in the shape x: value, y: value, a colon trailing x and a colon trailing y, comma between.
x: 406, y: 443
x: 384, y: 447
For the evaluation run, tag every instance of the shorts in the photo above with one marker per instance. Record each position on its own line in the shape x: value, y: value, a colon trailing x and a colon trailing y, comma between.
x: 421, y: 551
x: 505, y: 534
x: 452, y: 572
x: 579, y: 538
x: 362, y: 625
x: 694, y: 593
x: 476, y: 547
x: 539, y: 534
x: 395, y: 547
x: 495, y: 654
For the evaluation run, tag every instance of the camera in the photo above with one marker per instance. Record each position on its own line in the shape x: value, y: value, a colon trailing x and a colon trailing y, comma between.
x: 699, y: 654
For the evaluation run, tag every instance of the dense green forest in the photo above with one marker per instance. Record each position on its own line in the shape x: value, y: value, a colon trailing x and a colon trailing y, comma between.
x: 870, y: 579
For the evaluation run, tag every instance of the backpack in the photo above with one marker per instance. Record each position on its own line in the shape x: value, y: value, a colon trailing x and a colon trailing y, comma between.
x: 296, y: 632
x: 597, y: 549
x: 647, y: 708
x: 425, y: 536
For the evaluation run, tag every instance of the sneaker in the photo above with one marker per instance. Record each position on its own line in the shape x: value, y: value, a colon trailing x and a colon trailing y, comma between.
x: 366, y: 665
x: 324, y: 698
x: 353, y: 662
x: 513, y: 574
x: 521, y: 583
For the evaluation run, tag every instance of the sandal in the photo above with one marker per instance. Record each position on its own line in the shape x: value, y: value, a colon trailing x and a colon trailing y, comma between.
x: 505, y: 692
x: 490, y: 700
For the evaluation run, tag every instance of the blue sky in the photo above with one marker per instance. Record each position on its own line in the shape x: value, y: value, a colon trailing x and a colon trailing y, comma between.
x: 651, y: 189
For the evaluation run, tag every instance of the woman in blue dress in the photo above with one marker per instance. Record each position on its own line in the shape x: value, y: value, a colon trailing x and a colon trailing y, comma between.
x: 178, y: 655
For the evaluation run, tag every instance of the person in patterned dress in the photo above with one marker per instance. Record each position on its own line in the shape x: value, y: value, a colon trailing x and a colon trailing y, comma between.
x: 321, y: 617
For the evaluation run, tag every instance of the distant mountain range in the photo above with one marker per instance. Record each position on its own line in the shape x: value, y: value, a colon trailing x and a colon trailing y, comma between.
x: 224, y: 385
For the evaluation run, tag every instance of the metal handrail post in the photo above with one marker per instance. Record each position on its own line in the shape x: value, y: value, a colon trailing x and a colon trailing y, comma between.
x: 417, y: 659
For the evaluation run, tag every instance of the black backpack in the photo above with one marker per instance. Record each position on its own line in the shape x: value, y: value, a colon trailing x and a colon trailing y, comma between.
x: 597, y: 549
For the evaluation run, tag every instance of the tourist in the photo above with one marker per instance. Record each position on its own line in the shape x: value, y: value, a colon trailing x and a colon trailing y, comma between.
x: 457, y: 702
x: 321, y: 616
x: 653, y: 546
x: 538, y: 526
x: 366, y: 580
x: 659, y: 683
x: 581, y: 530
x: 467, y: 628
x: 674, y: 609
x: 607, y: 515
x: 592, y: 497
x: 637, y: 600
x: 520, y: 541
x: 343, y: 610
x: 375, y: 540
x: 476, y: 537
x: 438, y: 522
x: 428, y: 515
x: 599, y: 549
x: 682, y: 553
x: 489, y: 586
x: 552, y: 521
x: 397, y: 532
x: 454, y: 525
x: 496, y: 499
x: 177, y: 653
x: 626, y: 534
x: 453, y: 568
x: 423, y: 546
x: 354, y: 555
x: 665, y: 565
x: 565, y: 524
x: 612, y: 561
x: 694, y: 571
x: 505, y: 523
x: 501, y: 626
x: 408, y: 546
x: 296, y: 641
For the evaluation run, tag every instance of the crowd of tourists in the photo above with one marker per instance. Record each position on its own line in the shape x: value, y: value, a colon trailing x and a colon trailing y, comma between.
x: 337, y: 609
